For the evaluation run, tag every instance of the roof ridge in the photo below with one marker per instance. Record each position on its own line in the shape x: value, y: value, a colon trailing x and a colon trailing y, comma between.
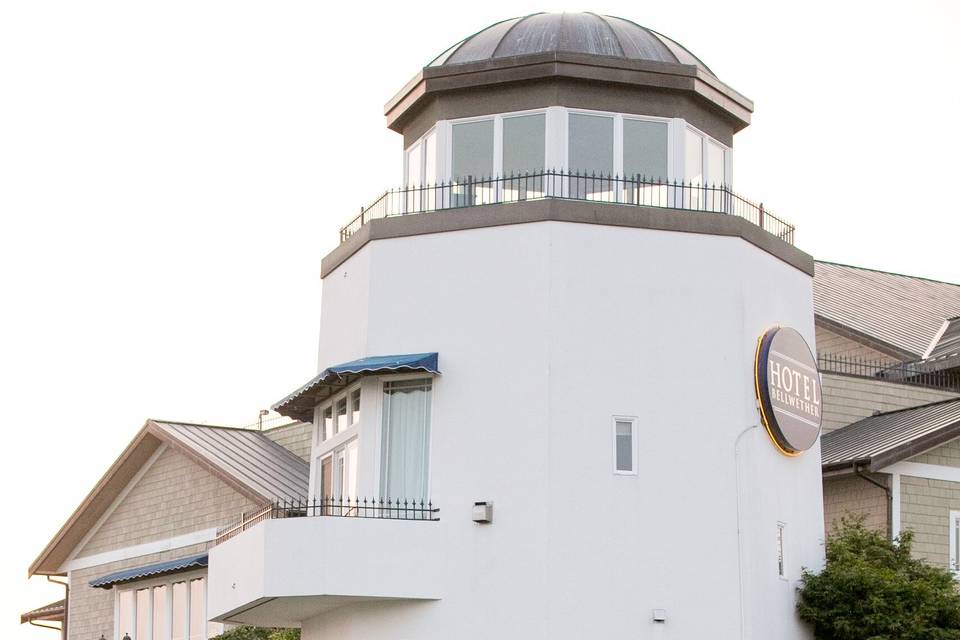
x: 889, y: 273
x: 197, y: 424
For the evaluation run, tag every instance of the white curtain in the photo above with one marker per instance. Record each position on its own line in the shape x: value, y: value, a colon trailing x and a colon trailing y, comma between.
x: 406, y: 439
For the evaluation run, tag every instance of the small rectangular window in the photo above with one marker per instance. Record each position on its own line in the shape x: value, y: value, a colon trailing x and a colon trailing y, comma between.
x: 341, y: 414
x: 126, y: 620
x: 160, y: 613
x: 355, y: 406
x: 198, y: 621
x: 326, y: 425
x: 180, y: 622
x: 624, y: 442
x: 955, y: 541
x: 524, y: 144
x: 781, y: 558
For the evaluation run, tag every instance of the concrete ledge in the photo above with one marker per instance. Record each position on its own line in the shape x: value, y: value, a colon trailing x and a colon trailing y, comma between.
x: 574, y: 211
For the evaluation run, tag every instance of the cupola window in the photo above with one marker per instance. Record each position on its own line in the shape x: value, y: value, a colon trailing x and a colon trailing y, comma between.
x: 472, y: 150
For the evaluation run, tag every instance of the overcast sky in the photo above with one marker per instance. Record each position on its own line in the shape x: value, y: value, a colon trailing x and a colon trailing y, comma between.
x: 171, y: 174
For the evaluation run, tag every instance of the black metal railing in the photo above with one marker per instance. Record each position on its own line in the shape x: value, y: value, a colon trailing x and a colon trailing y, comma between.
x: 636, y: 190
x: 337, y: 507
x: 913, y: 373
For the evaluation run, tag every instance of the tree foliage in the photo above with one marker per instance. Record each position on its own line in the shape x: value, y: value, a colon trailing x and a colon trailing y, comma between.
x: 258, y: 633
x: 872, y: 589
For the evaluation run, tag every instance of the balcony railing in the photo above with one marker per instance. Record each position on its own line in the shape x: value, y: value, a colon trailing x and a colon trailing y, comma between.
x: 332, y: 507
x: 912, y: 373
x: 637, y: 191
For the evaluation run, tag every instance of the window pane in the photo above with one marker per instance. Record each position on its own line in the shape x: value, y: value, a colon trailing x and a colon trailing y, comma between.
x: 414, y: 166
x: 645, y: 150
x: 144, y: 620
x: 160, y: 612
x: 180, y: 611
x: 327, y: 425
x: 624, y: 446
x: 198, y: 612
x: 126, y: 620
x: 693, y: 171
x: 430, y: 159
x: 341, y: 414
x: 355, y: 406
x: 715, y: 168
x: 326, y: 477
x: 406, y: 439
x: 524, y: 140
x: 591, y: 144
x: 473, y: 150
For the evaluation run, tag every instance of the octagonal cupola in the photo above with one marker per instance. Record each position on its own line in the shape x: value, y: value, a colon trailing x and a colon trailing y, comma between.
x: 575, y: 93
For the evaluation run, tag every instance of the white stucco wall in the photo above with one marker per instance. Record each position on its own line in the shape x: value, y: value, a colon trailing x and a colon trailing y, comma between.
x: 545, y: 331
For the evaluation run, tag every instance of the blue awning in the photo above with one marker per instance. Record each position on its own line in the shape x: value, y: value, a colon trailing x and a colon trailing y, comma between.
x: 300, y: 403
x: 150, y: 570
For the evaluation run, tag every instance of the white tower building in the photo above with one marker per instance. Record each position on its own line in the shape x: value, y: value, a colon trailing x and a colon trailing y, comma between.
x: 548, y: 338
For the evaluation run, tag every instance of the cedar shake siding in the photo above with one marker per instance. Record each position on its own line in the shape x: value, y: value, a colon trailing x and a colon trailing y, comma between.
x: 847, y: 399
x: 925, y: 507
x: 174, y: 497
x: 854, y: 496
x: 294, y: 438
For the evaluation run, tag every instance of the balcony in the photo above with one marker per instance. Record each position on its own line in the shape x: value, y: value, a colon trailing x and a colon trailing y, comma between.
x: 291, y: 561
x: 917, y: 374
x: 637, y: 191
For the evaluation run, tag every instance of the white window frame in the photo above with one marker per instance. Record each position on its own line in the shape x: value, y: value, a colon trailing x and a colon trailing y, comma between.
x: 954, y: 542
x: 378, y: 459
x: 321, y: 446
x: 421, y: 142
x: 337, y: 491
x: 497, y: 119
x: 634, y: 445
x: 168, y: 582
x: 705, y: 139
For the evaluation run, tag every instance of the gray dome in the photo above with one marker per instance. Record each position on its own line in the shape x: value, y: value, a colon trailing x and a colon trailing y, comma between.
x: 586, y: 33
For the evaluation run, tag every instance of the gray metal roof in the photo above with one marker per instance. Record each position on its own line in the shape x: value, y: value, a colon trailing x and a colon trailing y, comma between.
x: 248, y: 457
x: 886, y: 438
x: 586, y: 33
x: 902, y: 311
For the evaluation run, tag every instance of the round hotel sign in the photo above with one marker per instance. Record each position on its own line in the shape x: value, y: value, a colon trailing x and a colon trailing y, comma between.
x: 788, y: 389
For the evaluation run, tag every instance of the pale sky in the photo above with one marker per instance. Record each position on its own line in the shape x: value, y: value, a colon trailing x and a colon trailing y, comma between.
x: 171, y: 174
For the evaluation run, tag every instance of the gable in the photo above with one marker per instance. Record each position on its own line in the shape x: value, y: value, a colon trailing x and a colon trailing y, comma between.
x: 173, y: 497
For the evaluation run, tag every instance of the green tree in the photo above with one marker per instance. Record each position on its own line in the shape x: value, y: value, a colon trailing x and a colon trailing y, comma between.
x: 872, y: 589
x: 258, y: 633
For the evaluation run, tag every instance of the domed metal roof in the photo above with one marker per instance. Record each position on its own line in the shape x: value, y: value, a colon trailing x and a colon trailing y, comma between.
x: 586, y: 33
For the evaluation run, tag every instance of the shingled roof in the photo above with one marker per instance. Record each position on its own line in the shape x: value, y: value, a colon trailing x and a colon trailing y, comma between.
x: 248, y: 461
x: 903, y: 313
x: 881, y: 440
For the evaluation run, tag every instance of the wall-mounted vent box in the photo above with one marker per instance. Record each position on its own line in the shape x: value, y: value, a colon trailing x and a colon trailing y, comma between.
x: 483, y: 512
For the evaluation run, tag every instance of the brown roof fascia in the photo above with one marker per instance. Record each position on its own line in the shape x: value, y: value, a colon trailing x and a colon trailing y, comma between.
x: 110, y: 485
x: 916, y: 446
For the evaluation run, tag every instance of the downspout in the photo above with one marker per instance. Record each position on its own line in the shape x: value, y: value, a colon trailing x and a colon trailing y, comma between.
x: 66, y: 606
x: 736, y: 459
x: 886, y: 490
